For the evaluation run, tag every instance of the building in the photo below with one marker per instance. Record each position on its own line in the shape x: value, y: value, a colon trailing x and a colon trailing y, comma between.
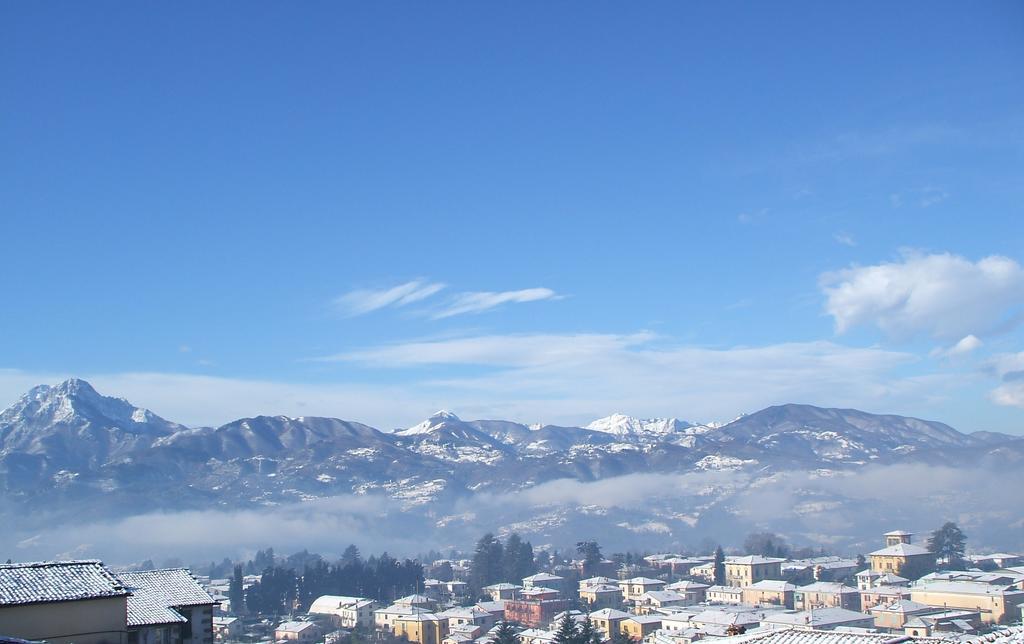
x: 657, y: 599
x: 344, y: 611
x: 867, y: 579
x: 226, y: 628
x: 996, y: 604
x: 769, y: 591
x: 705, y: 571
x: 819, y: 619
x: 467, y: 616
x: 534, y: 611
x: 421, y: 628
x: 609, y: 620
x: 744, y: 571
x: 826, y: 594
x: 633, y: 588
x: 601, y: 596
x: 502, y: 591
x: 944, y: 623
x: 545, y: 580
x: 417, y: 601
x: 384, y: 618
x: 724, y: 595
x: 901, y: 557
x: 297, y: 632
x: 63, y: 602
x: 637, y: 627
x: 167, y: 605
x: 895, y: 615
x: 881, y: 595
x: 998, y: 560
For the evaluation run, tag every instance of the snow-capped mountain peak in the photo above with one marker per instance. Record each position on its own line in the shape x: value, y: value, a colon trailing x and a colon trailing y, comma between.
x: 430, y: 425
x: 623, y: 425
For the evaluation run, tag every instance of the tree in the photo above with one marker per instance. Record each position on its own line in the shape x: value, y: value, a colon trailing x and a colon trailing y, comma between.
x: 766, y: 544
x: 567, y: 631
x: 487, y: 562
x: 719, y: 563
x: 588, y: 633
x: 518, y: 558
x: 505, y: 633
x: 591, y: 553
x: 236, y: 594
x: 861, y: 562
x: 948, y: 543
x: 618, y: 637
x: 351, y: 555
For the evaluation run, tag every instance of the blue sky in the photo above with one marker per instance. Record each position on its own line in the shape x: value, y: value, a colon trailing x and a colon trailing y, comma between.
x: 567, y: 209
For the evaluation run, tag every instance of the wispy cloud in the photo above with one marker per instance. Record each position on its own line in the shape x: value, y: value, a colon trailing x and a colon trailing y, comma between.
x: 846, y: 239
x: 478, y: 302
x: 362, y: 301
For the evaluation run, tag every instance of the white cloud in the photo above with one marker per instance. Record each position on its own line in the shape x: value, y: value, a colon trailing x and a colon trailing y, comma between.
x: 943, y: 295
x: 361, y: 301
x: 478, y: 302
x: 1008, y: 367
x: 967, y: 345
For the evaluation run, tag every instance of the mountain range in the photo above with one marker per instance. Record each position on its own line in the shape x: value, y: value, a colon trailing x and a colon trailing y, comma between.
x: 68, y: 452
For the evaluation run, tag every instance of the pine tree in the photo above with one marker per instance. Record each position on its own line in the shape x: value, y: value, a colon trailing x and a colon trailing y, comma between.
x: 567, y: 631
x: 591, y: 553
x: 719, y: 566
x: 235, y: 593
x: 487, y: 562
x: 505, y: 633
x: 588, y: 633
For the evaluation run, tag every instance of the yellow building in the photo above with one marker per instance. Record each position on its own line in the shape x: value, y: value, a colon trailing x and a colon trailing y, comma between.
x: 422, y: 628
x: 609, y: 620
x: 744, y: 571
x: 997, y: 604
x: 633, y: 588
x: 901, y: 557
x: 769, y: 591
x: 637, y: 627
x: 63, y: 602
x: 601, y: 596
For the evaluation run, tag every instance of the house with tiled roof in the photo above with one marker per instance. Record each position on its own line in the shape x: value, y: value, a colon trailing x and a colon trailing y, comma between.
x: 167, y: 605
x: 297, y: 632
x: 63, y: 602
x: 826, y: 594
x: 819, y: 618
x: 633, y: 588
x: 769, y: 591
x: 901, y: 557
x: 750, y: 569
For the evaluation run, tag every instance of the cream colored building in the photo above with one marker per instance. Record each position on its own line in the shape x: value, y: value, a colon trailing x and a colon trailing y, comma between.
x: 609, y: 620
x: 297, y: 632
x: 637, y: 627
x: 601, y: 596
x: 901, y: 557
x: 744, y: 571
x: 694, y: 591
x: 633, y: 588
x: 64, y: 602
x: 826, y: 594
x: 346, y: 612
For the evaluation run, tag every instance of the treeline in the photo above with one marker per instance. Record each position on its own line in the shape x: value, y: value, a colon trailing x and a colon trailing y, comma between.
x: 285, y: 588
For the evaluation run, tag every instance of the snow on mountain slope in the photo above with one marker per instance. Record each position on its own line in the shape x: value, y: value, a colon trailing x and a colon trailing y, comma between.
x: 629, y: 426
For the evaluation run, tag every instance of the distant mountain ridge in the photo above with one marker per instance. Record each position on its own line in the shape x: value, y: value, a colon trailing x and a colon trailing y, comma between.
x: 71, y: 450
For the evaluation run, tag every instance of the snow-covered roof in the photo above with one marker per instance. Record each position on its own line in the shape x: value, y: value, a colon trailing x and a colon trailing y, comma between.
x: 610, y: 613
x: 899, y: 533
x: 725, y: 589
x: 645, y: 581
x: 1012, y: 635
x: 57, y: 581
x: 901, y: 550
x: 817, y: 617
x: 900, y: 606
x: 808, y: 636
x: 752, y: 560
x: 330, y: 604
x: 826, y: 587
x: 294, y: 627
x: 724, y: 618
x: 964, y: 588
x: 175, y: 586
x: 503, y: 586
x: 542, y: 576
x: 663, y: 596
x: 156, y: 593
x: 772, y: 585
x: 686, y: 585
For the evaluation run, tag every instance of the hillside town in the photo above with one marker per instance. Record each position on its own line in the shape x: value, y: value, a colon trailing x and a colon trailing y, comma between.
x: 506, y: 594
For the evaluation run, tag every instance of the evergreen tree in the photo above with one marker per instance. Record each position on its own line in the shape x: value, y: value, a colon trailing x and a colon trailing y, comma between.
x: 236, y: 594
x: 591, y: 553
x: 588, y: 633
x: 351, y: 555
x: 505, y: 633
x: 518, y: 559
x: 719, y: 566
x: 487, y: 562
x: 948, y: 543
x: 567, y: 631
x: 862, y: 562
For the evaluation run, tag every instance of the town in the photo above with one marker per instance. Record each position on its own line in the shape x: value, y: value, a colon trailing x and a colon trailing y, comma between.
x: 506, y: 593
